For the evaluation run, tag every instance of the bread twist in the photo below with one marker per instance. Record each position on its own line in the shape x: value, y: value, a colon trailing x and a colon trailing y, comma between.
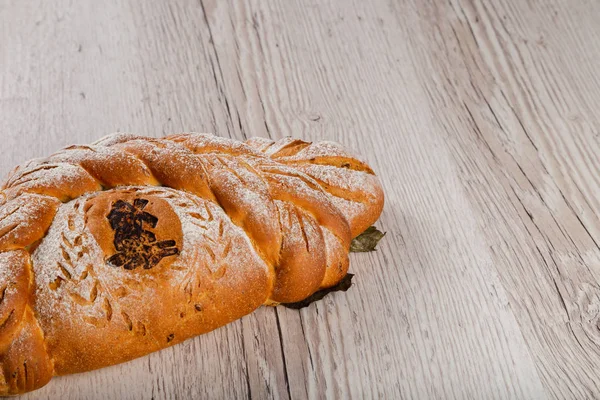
x: 111, y: 251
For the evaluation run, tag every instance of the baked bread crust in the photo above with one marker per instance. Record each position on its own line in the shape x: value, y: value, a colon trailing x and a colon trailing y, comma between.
x: 111, y: 251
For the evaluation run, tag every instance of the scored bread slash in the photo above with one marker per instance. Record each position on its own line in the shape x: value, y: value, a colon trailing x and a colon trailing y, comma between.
x: 365, y: 242
x: 114, y: 250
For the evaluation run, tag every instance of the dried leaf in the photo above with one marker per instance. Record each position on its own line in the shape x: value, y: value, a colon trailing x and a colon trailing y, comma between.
x: 342, y: 286
x: 367, y: 240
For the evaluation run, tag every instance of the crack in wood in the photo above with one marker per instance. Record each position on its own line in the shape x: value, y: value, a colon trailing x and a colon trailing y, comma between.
x: 285, y: 370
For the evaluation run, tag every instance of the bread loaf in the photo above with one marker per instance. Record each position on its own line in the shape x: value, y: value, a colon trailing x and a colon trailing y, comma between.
x: 111, y: 251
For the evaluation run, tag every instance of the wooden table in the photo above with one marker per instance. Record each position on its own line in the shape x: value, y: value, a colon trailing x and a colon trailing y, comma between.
x: 481, y: 118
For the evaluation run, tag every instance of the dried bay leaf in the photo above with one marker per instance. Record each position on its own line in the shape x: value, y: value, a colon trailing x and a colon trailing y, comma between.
x: 366, y: 241
x: 342, y: 286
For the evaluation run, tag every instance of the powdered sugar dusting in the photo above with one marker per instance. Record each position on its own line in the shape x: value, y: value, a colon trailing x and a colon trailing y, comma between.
x: 327, y: 149
x: 68, y: 180
x: 106, y: 164
x: 59, y: 266
x: 114, y: 138
x: 357, y: 184
x: 354, y: 193
x: 73, y: 279
x: 19, y: 219
x: 207, y: 228
x: 208, y: 143
x: 236, y: 183
x: 9, y: 263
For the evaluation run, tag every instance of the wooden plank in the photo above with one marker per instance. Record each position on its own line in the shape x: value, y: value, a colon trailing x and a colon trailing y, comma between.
x: 527, y: 162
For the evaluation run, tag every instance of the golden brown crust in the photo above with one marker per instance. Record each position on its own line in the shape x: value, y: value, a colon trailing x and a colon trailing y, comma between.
x: 121, y: 248
x: 25, y: 220
x: 164, y: 159
x: 303, y: 256
x: 108, y: 165
x: 15, y: 277
x: 24, y: 362
x: 25, y: 366
x: 60, y: 180
x: 350, y: 182
x: 119, y: 312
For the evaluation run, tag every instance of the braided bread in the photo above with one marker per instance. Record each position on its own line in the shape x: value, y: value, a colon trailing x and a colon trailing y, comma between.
x: 111, y: 251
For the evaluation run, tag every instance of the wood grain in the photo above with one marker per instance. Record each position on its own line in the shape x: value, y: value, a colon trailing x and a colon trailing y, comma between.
x: 479, y: 117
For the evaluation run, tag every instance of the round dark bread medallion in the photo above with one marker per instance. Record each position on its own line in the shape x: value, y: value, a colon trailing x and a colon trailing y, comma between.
x: 134, y: 230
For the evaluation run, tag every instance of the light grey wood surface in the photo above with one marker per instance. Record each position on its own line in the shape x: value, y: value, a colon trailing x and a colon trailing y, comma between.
x: 480, y: 118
